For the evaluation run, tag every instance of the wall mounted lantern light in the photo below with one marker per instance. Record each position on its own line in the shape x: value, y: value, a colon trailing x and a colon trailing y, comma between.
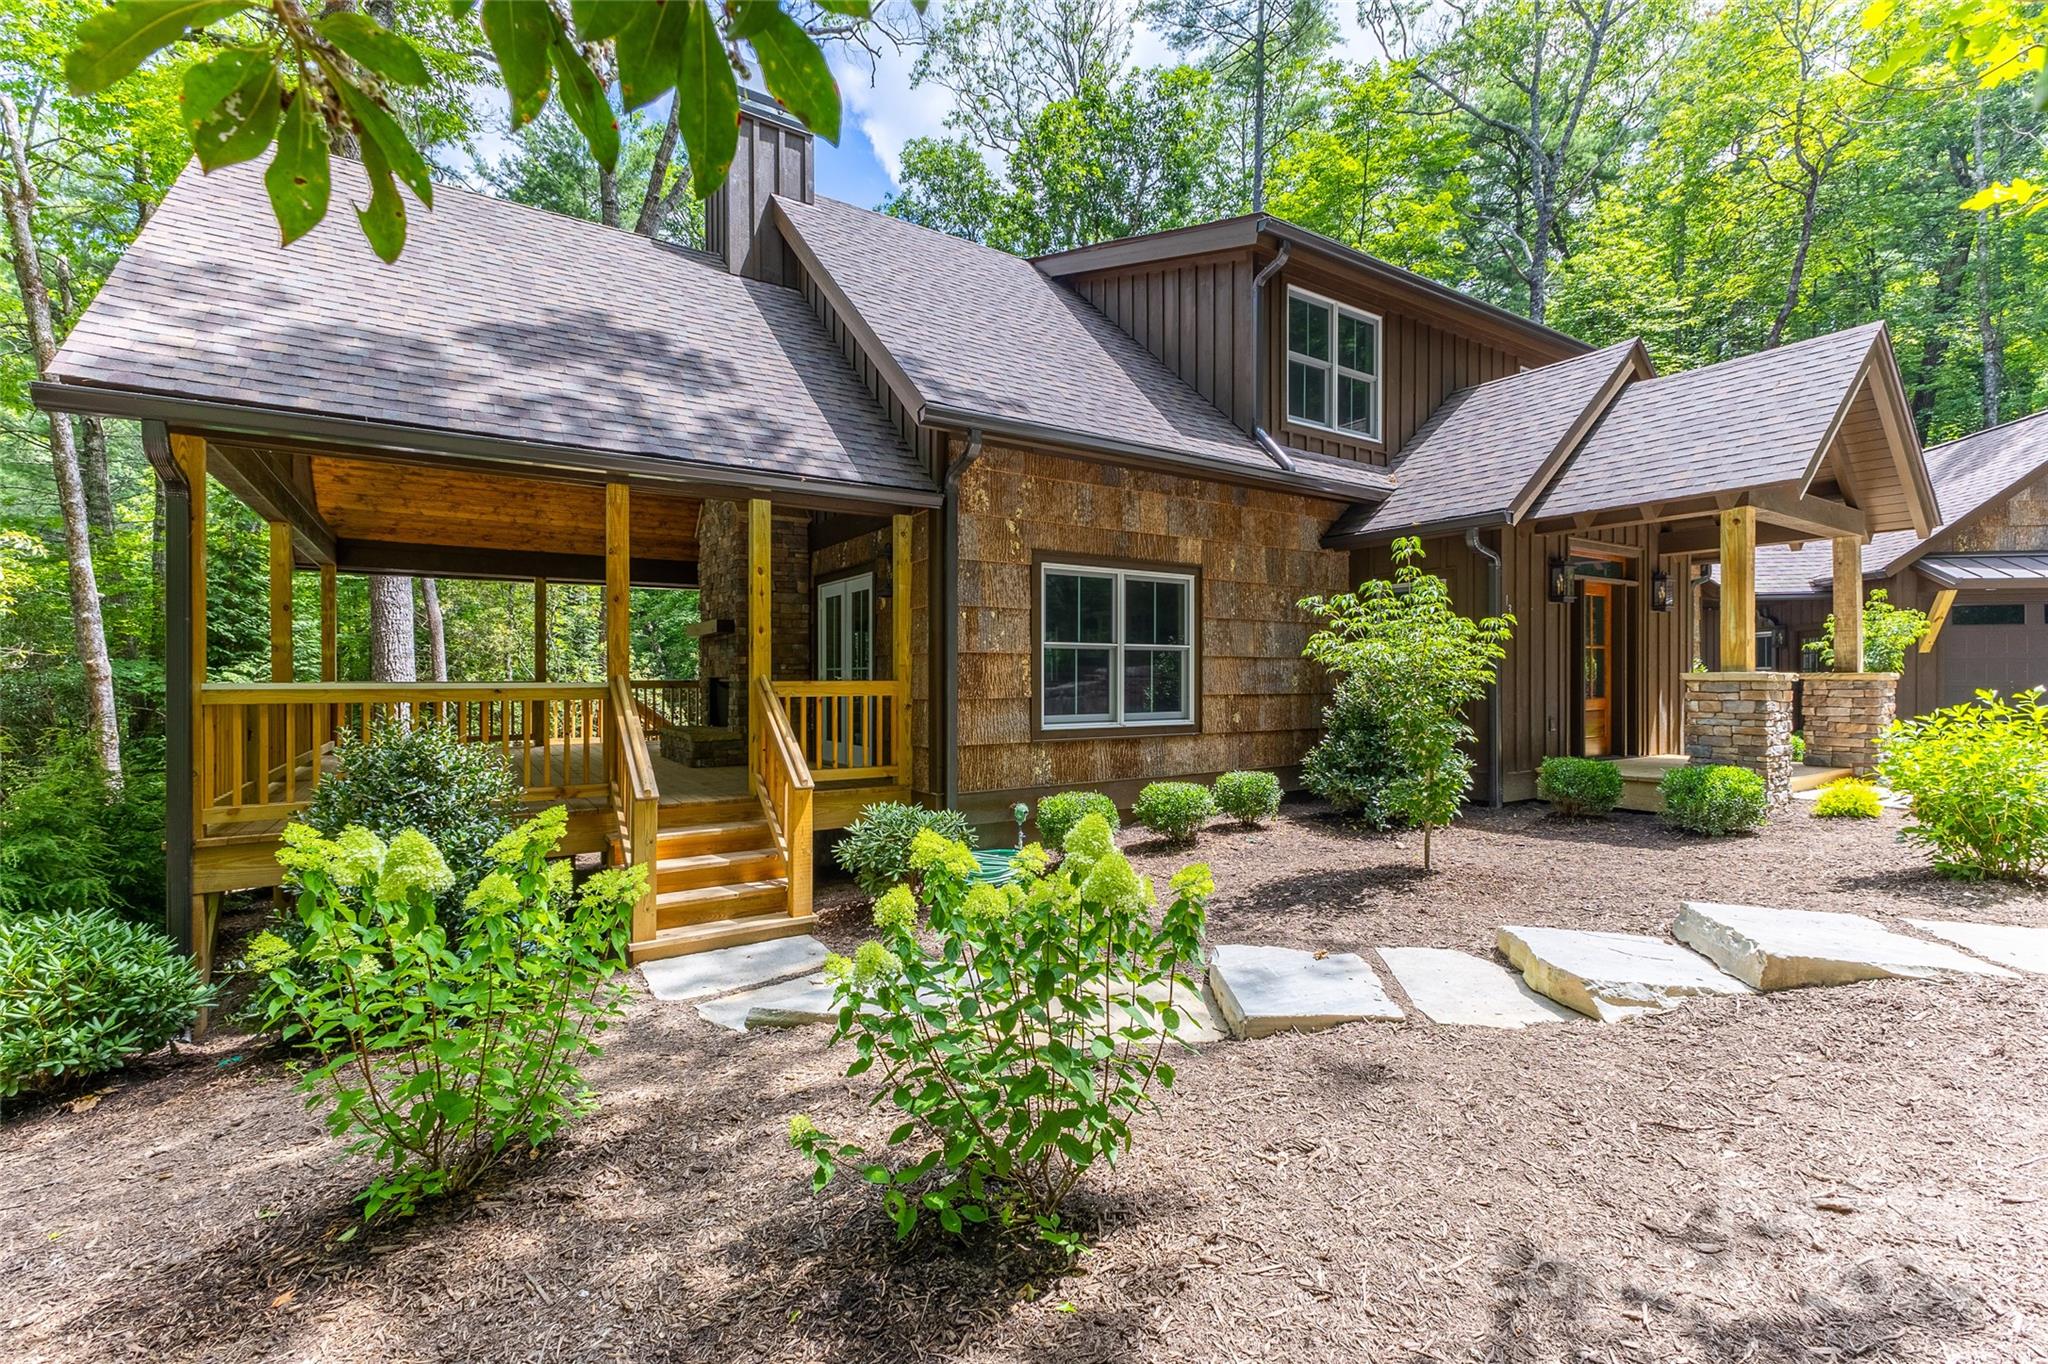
x: 1563, y: 583
x: 1660, y: 591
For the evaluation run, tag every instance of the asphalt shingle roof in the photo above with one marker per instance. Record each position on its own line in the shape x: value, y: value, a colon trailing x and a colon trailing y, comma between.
x: 499, y: 320
x: 1478, y: 454
x: 1968, y: 473
x: 1749, y: 422
x: 980, y: 331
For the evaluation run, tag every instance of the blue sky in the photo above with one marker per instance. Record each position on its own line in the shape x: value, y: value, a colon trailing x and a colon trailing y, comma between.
x: 851, y: 170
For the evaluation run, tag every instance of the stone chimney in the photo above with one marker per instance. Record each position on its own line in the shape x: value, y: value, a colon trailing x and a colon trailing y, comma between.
x: 775, y: 156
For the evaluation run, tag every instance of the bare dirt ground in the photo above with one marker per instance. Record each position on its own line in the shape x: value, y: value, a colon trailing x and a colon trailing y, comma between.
x: 1852, y: 1173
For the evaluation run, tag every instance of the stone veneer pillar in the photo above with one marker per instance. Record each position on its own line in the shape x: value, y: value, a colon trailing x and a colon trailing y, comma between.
x: 1845, y: 715
x: 1743, y: 719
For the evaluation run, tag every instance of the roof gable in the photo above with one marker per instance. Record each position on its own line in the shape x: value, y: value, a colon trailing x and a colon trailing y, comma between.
x: 498, y: 321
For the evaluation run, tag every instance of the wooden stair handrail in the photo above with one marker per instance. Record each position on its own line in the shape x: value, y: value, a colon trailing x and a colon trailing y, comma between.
x: 783, y: 738
x: 641, y: 819
x: 784, y: 781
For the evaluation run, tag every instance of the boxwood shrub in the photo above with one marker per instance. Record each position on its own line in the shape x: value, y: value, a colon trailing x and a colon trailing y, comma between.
x: 1847, y: 799
x: 1247, y: 797
x: 875, y: 848
x: 1176, y: 809
x: 1713, y: 800
x: 1578, y: 787
x: 1059, y: 813
x: 82, y: 991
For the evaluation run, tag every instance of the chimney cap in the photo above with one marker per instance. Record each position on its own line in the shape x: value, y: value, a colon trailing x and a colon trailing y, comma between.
x: 754, y: 104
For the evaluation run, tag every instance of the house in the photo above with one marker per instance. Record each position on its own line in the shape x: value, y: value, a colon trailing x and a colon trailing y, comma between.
x: 1981, y: 577
x: 966, y: 528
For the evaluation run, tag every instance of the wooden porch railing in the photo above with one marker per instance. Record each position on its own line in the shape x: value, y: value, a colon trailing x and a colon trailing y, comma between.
x: 669, y: 703
x: 785, y: 785
x: 262, y: 748
x: 849, y: 731
x: 636, y: 798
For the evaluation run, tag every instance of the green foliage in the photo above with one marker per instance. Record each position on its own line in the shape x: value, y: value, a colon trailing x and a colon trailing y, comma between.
x: 421, y: 776
x: 1175, y: 809
x: 1977, y: 777
x: 875, y: 848
x: 1354, y: 765
x: 1848, y: 799
x: 1713, y: 800
x: 1888, y: 631
x: 1061, y: 811
x: 1798, y: 748
x: 341, y: 74
x: 1248, y: 797
x: 84, y: 991
x: 1403, y: 641
x: 1578, y: 787
x: 70, y: 841
x: 445, y: 1053
x: 1022, y: 1043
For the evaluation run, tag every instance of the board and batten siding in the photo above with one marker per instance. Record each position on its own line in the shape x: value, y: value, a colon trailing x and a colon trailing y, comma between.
x: 1541, y: 689
x: 1256, y: 554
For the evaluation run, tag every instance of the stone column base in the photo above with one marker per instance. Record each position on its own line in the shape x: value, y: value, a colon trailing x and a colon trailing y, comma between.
x: 1743, y: 720
x: 1846, y: 714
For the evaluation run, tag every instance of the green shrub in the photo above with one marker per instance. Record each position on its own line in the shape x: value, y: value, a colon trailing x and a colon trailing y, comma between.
x: 1798, y: 748
x: 445, y: 1053
x: 1847, y: 799
x: 421, y: 776
x: 1175, y: 809
x: 1059, y: 813
x: 86, y: 991
x: 1977, y: 777
x: 1403, y: 640
x: 1248, y: 797
x: 875, y: 848
x: 69, y: 841
x: 1354, y: 765
x: 1021, y: 1045
x: 1713, y: 800
x: 1888, y: 631
x: 1578, y: 787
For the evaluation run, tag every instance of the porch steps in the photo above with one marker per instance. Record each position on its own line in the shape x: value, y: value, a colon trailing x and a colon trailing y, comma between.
x: 717, y: 933
x: 718, y: 869
x: 1640, y: 776
x: 719, y: 880
x: 673, y: 908
x: 691, y: 811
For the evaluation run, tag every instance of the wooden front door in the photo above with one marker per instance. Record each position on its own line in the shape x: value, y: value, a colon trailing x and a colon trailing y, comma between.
x: 1598, y: 666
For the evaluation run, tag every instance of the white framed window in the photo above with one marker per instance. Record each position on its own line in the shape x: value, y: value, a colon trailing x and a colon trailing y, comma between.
x: 1333, y: 365
x: 1116, y: 647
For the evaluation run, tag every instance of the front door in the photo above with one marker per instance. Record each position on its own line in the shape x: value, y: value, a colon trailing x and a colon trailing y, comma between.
x: 846, y: 653
x: 1598, y: 666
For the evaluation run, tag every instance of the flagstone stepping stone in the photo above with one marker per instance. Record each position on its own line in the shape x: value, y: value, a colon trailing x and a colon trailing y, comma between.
x: 1196, y: 1023
x: 1259, y: 991
x: 784, y: 1004
x: 1459, y: 988
x: 732, y: 968
x: 1611, y: 976
x: 1781, y: 949
x: 2025, y: 949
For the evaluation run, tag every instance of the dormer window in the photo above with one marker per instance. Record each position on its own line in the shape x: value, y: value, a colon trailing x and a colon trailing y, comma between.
x: 1333, y: 366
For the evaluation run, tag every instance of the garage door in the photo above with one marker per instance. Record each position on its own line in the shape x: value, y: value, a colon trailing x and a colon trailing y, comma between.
x: 2001, y: 646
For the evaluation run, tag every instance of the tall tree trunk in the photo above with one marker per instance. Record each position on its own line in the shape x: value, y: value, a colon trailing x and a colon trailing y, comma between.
x: 1989, y: 335
x: 1259, y: 114
x: 607, y: 197
x: 92, y: 433
x: 1809, y: 209
x: 656, y: 201
x: 392, y: 657
x: 437, y: 637
x: 18, y: 191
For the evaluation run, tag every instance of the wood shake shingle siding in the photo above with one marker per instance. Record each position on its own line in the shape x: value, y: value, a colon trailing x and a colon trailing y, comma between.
x: 1255, y: 553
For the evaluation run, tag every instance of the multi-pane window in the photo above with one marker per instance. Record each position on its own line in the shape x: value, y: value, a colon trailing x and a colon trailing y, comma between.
x: 1116, y: 647
x: 1994, y: 614
x: 1333, y: 365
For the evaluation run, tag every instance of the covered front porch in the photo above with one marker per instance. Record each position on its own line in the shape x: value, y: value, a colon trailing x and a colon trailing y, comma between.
x: 798, y: 715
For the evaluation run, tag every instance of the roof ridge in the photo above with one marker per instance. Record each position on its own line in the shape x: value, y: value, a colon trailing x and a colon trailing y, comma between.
x: 1995, y: 427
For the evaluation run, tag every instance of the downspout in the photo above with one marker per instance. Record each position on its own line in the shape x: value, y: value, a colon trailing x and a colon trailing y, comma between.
x: 1259, y: 433
x: 949, y: 621
x: 1494, y: 784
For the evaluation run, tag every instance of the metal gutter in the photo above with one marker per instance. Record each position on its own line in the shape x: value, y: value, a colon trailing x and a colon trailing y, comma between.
x: 1270, y: 269
x: 1375, y: 489
x: 357, y: 435
x: 1494, y: 783
x: 949, y: 623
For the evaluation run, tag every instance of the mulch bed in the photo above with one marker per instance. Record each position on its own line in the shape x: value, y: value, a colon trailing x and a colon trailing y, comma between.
x: 1852, y: 1173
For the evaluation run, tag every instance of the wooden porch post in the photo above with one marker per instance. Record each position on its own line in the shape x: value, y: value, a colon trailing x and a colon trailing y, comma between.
x: 760, y: 618
x: 194, y: 933
x: 618, y: 591
x: 899, y: 639
x: 280, y: 602
x: 330, y: 624
x: 540, y: 629
x: 1738, y: 590
x: 1848, y: 604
